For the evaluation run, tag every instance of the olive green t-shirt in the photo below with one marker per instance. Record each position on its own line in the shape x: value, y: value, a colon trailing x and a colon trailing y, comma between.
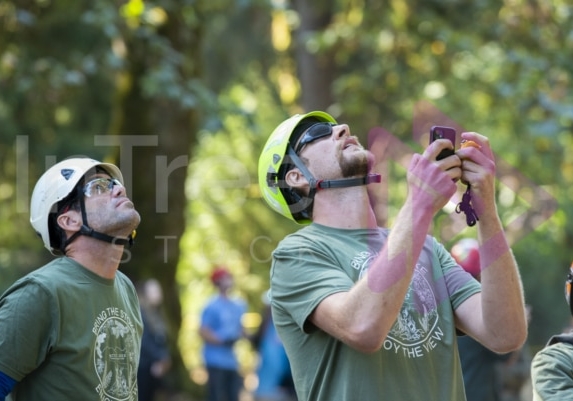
x: 67, y: 334
x: 419, y: 358
x: 552, y: 370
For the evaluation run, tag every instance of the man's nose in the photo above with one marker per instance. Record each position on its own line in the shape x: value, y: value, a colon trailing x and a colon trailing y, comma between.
x: 118, y: 190
x: 341, y: 131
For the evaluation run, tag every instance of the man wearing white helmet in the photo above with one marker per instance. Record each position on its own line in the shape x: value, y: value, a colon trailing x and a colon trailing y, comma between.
x: 71, y: 330
x: 367, y: 313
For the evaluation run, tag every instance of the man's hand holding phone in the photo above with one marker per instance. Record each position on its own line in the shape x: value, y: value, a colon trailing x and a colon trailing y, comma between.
x: 452, y: 166
x: 439, y: 132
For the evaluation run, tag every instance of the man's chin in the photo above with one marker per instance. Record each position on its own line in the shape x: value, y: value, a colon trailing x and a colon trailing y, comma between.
x: 355, y: 173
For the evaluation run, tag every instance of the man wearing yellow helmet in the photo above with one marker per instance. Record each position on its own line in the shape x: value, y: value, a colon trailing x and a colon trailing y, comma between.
x: 71, y: 330
x: 368, y: 313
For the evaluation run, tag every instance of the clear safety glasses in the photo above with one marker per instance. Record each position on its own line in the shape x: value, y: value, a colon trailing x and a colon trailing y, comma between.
x: 100, y: 186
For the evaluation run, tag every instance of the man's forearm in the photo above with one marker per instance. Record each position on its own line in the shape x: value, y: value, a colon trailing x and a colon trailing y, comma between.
x: 503, y: 308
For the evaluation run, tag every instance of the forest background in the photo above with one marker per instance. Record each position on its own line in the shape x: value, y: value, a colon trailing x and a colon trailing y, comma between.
x: 182, y: 95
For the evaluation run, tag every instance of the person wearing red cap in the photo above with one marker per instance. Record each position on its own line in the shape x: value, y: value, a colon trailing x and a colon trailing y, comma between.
x: 220, y: 328
x: 219, y: 274
x: 466, y: 254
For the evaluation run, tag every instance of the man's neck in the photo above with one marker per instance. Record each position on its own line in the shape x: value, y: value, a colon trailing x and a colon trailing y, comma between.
x: 347, y: 208
x: 100, y: 257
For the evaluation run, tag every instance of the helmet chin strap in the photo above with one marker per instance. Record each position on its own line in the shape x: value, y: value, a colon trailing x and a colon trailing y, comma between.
x: 317, y: 185
x: 90, y: 232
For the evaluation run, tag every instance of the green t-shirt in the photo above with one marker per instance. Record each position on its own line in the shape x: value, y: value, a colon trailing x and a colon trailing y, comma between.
x: 69, y: 334
x: 552, y: 370
x: 419, y: 358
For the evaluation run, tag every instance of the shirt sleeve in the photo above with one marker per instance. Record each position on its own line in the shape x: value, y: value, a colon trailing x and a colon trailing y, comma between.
x: 207, y: 317
x: 460, y: 284
x: 29, y: 320
x: 552, y: 373
x: 302, y: 276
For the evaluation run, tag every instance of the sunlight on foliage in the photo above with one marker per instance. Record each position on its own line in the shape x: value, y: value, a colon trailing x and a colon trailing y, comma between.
x: 289, y: 87
x: 280, y: 32
x: 132, y: 11
x: 435, y: 90
x: 226, y: 219
x: 245, y: 99
x: 6, y: 191
x: 62, y: 115
x: 385, y: 41
x: 499, y: 68
x: 355, y: 15
x: 438, y: 47
x: 156, y: 16
x: 400, y: 12
x: 481, y: 103
x: 135, y: 12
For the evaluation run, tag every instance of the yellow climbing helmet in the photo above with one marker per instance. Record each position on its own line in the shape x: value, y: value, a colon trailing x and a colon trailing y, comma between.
x: 274, y: 162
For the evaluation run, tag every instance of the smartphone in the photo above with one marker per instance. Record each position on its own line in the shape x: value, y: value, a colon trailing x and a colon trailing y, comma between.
x: 439, y: 132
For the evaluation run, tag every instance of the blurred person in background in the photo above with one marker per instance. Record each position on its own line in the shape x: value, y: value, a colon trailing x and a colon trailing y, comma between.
x: 275, y: 378
x: 155, y: 359
x: 221, y: 327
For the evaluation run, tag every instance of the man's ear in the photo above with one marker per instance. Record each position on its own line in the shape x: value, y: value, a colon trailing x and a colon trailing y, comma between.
x: 70, y: 221
x: 296, y: 179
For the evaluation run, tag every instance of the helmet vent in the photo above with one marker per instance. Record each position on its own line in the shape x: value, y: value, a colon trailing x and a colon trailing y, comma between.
x: 67, y: 173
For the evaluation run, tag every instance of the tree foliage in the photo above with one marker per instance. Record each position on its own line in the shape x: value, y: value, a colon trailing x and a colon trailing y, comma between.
x: 197, y: 87
x: 408, y: 64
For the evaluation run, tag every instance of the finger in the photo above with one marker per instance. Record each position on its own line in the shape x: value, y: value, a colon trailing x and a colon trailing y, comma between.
x: 436, y: 147
x: 455, y: 173
x: 481, y: 140
x: 424, y: 172
x: 468, y: 143
x: 475, y: 161
x: 470, y: 171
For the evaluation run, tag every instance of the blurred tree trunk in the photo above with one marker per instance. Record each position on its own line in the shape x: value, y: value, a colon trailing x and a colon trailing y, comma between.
x: 156, y: 135
x: 316, y: 68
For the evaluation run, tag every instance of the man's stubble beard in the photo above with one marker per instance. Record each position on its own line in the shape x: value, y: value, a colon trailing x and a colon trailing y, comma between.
x: 358, y: 165
x: 120, y: 224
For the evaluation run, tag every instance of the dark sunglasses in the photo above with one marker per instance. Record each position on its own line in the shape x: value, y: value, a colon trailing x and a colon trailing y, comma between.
x: 316, y: 131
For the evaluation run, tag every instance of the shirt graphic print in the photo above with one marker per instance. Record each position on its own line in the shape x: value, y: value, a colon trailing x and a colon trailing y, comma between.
x: 116, y: 355
x: 416, y: 330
